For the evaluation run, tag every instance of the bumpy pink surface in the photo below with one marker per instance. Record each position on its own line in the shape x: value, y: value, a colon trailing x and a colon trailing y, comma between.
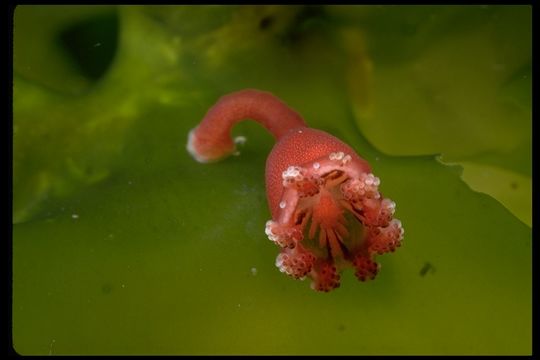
x: 295, y: 148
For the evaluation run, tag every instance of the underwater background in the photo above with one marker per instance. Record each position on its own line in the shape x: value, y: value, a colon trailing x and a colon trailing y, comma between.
x: 123, y: 244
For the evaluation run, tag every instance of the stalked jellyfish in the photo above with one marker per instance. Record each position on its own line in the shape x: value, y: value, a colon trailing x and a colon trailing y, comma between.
x: 327, y: 211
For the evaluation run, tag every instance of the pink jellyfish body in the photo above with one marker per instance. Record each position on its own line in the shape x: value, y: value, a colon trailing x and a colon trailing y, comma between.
x: 327, y: 211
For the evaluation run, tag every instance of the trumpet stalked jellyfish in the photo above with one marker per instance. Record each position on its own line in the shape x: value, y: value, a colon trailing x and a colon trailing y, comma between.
x: 327, y: 211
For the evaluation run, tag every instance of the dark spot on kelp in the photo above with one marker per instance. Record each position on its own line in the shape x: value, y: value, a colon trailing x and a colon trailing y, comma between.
x: 427, y: 268
x: 341, y: 328
x: 514, y: 185
x: 310, y: 17
x: 266, y: 22
x: 91, y: 44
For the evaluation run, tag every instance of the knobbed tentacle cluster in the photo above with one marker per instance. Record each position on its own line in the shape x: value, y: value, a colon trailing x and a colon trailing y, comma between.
x: 327, y: 211
x: 331, y: 215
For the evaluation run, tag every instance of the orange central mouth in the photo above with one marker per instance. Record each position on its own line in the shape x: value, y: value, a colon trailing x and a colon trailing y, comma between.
x: 327, y: 218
